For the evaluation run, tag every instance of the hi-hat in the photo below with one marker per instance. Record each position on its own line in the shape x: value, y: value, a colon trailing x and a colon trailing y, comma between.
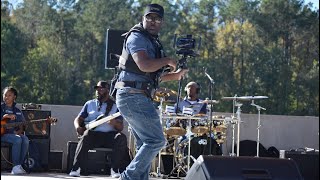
x: 168, y: 95
x: 245, y: 98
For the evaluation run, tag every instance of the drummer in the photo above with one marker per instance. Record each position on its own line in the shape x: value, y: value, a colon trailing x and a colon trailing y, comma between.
x: 192, y: 101
x: 199, y: 107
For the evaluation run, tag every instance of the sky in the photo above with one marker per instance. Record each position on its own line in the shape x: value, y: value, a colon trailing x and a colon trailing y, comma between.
x: 315, y: 2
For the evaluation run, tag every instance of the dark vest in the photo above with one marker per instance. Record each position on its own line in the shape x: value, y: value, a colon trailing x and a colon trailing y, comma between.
x: 127, y: 63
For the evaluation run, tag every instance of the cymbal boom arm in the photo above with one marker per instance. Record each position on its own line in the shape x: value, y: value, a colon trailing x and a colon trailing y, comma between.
x: 259, y: 124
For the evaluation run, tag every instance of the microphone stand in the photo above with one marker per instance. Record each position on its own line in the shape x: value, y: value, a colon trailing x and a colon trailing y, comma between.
x: 181, y: 64
x: 211, y: 110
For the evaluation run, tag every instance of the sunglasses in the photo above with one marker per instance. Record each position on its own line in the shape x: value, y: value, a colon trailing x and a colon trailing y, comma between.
x: 157, y: 20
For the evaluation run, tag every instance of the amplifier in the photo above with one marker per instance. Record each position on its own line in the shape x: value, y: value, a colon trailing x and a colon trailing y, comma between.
x: 308, y: 163
x: 34, y: 130
x: 98, y: 161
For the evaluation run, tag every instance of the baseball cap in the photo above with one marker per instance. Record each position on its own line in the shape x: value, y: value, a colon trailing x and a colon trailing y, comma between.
x: 102, y: 84
x: 154, y: 8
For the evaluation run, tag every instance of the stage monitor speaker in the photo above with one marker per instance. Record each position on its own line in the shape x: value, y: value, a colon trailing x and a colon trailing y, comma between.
x: 308, y: 163
x: 34, y: 130
x: 114, y: 43
x: 257, y: 168
x: 38, y: 159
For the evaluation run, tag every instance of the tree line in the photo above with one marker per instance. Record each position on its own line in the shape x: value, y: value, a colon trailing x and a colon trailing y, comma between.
x: 53, y: 51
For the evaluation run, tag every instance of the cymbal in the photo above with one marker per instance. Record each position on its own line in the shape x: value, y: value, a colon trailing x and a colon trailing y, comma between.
x: 168, y: 95
x: 253, y: 97
x: 210, y: 101
x: 244, y: 98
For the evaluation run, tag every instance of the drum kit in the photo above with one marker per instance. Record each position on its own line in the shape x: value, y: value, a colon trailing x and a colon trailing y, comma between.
x: 182, y: 129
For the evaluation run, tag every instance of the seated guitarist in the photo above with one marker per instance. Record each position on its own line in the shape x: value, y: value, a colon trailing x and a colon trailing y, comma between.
x: 20, y: 143
x: 106, y: 135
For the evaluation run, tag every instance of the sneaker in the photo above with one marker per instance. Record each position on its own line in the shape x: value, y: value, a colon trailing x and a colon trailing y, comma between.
x: 115, y: 174
x: 74, y: 173
x: 18, y: 170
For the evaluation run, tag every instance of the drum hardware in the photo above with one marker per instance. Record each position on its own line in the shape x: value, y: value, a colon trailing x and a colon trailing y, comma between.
x: 259, y: 125
x: 238, y: 105
x: 180, y: 164
x: 244, y: 98
x: 238, y: 131
x: 250, y: 98
x: 211, y: 106
x: 158, y: 173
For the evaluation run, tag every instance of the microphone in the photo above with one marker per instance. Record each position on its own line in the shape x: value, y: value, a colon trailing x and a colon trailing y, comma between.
x: 211, y: 80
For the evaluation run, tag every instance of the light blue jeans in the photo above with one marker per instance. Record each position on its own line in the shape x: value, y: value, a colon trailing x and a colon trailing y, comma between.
x: 20, y: 146
x: 139, y: 111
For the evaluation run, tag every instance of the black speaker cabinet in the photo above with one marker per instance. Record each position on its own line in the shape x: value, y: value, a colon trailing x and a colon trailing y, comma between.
x: 34, y: 128
x: 257, y: 168
x: 6, y: 159
x: 167, y: 163
x: 308, y: 163
x: 98, y: 161
x: 38, y: 159
x: 55, y: 160
x: 114, y: 43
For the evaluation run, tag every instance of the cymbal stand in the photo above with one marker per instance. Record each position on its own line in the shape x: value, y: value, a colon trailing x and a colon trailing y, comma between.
x: 259, y: 125
x: 159, y: 156
x: 189, y: 141
x: 239, y: 121
x: 233, y: 126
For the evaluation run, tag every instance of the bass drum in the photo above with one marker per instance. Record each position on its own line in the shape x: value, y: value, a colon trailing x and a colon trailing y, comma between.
x: 199, y: 146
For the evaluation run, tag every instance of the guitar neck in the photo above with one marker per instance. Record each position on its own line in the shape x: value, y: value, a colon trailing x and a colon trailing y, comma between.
x: 11, y: 125
x: 101, y: 121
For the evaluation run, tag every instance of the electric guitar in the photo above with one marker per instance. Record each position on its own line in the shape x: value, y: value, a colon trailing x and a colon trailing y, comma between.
x: 98, y: 121
x: 5, y: 125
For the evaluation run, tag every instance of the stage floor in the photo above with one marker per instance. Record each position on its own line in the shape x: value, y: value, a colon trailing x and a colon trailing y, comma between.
x: 54, y: 176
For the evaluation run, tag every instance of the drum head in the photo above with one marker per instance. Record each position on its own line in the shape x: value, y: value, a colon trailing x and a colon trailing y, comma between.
x: 221, y: 128
x: 175, y: 131
x: 200, y: 130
